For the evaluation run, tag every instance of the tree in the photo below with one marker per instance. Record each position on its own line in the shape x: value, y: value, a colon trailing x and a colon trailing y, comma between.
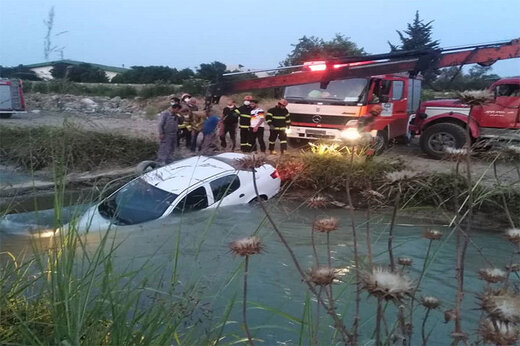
x: 452, y: 78
x: 59, y: 70
x: 86, y: 73
x: 20, y: 71
x: 212, y: 71
x: 313, y: 48
x: 418, y: 36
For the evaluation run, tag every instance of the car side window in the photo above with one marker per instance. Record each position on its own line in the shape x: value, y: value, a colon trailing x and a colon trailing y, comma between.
x: 195, y: 200
x: 224, y: 186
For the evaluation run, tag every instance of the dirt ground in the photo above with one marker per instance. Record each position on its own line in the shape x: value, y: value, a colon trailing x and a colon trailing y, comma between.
x: 141, y: 126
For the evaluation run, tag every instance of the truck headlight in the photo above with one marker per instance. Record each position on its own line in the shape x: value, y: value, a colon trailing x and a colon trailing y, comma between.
x: 350, y: 134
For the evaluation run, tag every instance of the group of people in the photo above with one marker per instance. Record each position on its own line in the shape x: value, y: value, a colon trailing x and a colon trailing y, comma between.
x: 182, y: 120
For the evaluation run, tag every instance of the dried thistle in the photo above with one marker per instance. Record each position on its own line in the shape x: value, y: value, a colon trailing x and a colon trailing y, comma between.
x: 432, y: 234
x: 501, y: 305
x: 399, y: 176
x: 326, y: 225
x: 492, y: 275
x: 373, y: 196
x: 513, y: 235
x: 496, y: 332
x: 455, y: 154
x: 404, y: 261
x: 246, y: 246
x: 317, y: 202
x: 449, y: 315
x: 430, y: 302
x: 383, y: 283
x: 475, y: 97
x: 249, y: 162
x: 515, y: 267
x: 322, y: 276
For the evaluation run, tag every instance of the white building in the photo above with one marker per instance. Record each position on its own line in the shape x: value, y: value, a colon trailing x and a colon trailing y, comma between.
x: 43, y: 70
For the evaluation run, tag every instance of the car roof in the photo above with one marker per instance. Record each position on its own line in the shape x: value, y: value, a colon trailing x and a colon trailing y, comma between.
x: 180, y: 175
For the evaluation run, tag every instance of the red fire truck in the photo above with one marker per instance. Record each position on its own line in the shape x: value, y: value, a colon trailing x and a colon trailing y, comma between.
x: 442, y: 123
x: 324, y: 96
x: 11, y: 98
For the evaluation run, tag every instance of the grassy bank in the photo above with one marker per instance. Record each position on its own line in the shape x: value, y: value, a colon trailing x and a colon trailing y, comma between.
x: 75, y: 148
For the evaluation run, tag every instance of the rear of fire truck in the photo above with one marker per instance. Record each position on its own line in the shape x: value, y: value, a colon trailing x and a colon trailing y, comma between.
x: 11, y: 98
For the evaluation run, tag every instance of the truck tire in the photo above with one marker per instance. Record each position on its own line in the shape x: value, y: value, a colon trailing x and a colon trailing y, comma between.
x: 380, y: 142
x: 5, y: 115
x: 146, y: 166
x: 439, y: 136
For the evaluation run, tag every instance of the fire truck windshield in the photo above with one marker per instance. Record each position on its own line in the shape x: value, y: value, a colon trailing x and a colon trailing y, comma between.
x: 346, y: 91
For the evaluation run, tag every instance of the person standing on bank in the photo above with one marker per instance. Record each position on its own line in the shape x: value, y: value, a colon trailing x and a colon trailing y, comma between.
x: 229, y: 123
x: 278, y: 119
x: 256, y: 130
x: 168, y: 127
x: 244, y: 113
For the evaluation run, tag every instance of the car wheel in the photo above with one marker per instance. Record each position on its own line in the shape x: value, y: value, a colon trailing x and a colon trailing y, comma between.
x: 437, y: 137
x: 5, y: 115
x: 255, y: 200
x: 380, y: 142
x: 146, y: 166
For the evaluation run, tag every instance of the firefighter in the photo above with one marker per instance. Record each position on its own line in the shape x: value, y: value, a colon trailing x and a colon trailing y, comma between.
x: 229, y: 125
x: 365, y: 128
x: 244, y: 113
x: 168, y: 127
x: 278, y: 119
x: 187, y: 113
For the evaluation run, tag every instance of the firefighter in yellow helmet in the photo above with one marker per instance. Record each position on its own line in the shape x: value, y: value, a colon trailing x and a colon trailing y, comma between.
x: 278, y: 119
x: 244, y: 113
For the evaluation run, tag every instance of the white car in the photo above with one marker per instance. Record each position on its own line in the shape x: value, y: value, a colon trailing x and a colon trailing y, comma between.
x: 194, y: 183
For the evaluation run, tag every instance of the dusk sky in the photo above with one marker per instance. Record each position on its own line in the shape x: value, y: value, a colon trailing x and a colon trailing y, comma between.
x: 256, y: 34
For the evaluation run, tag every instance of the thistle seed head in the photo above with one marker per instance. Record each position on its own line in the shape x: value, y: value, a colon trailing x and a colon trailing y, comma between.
x: 475, y: 97
x: 430, y: 302
x: 513, y: 235
x: 321, y: 276
x: 249, y: 162
x: 501, y: 305
x: 499, y: 333
x: 317, y: 202
x: 515, y: 267
x: 246, y: 246
x: 492, y: 275
x: 404, y: 261
x: 326, y: 225
x: 383, y: 283
x: 432, y: 234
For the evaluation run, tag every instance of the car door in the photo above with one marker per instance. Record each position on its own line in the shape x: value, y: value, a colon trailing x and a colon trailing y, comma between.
x: 226, y: 186
x: 196, y: 199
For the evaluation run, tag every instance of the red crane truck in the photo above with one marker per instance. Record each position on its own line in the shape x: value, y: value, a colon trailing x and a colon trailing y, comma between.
x: 324, y: 96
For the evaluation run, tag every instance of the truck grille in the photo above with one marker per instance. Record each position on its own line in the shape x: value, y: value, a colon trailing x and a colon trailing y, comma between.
x: 320, y: 119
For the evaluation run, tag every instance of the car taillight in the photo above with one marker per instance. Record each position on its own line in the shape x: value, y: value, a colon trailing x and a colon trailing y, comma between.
x: 275, y: 174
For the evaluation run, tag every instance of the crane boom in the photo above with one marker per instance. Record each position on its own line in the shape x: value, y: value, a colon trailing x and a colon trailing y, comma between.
x: 412, y: 62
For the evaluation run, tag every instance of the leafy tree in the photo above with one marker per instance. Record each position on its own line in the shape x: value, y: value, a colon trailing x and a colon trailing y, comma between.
x: 86, y: 73
x: 212, y: 71
x: 153, y: 74
x: 452, y: 78
x: 20, y: 71
x: 59, y: 70
x: 313, y: 48
x: 418, y: 36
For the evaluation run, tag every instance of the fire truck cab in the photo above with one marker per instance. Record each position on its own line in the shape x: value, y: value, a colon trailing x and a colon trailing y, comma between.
x: 11, y: 98
x: 323, y: 113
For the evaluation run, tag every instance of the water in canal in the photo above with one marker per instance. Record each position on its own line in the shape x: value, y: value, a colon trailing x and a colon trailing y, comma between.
x: 276, y: 294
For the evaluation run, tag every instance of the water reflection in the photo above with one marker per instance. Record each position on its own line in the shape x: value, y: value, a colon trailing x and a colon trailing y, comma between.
x: 204, y: 261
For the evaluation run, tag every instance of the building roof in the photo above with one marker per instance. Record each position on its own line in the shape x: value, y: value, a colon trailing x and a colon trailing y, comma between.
x: 74, y: 62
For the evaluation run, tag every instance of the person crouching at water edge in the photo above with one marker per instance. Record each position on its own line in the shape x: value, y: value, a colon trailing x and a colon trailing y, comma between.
x: 209, y: 139
x: 168, y: 127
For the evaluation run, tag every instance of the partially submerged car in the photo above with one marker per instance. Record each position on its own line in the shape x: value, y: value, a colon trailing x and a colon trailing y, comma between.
x: 194, y: 183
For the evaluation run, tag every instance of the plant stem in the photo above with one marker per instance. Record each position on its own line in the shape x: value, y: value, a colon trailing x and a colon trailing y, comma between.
x: 391, y: 231
x: 338, y: 324
x: 244, y: 307
x: 314, y: 243
x: 423, y: 329
x: 355, y: 324
x: 378, y: 321
x: 328, y: 250
x: 418, y: 285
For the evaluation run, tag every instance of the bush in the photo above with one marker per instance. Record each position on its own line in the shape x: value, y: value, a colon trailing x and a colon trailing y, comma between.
x: 195, y: 86
x: 78, y: 149
x: 159, y: 89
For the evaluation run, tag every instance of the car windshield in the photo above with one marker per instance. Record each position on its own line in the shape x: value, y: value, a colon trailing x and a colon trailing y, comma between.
x: 346, y: 91
x: 136, y: 202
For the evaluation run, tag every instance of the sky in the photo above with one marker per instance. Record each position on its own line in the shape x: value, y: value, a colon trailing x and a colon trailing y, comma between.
x: 256, y: 34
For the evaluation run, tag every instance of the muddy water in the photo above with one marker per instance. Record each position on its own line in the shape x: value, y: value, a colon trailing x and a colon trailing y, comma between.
x: 275, y: 289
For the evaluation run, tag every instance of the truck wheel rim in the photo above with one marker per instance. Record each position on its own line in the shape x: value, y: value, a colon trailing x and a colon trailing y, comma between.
x: 442, y: 140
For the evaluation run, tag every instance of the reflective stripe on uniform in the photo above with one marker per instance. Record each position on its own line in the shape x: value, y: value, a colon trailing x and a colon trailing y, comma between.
x: 281, y: 142
x: 272, y: 142
x: 244, y: 126
x: 278, y: 117
x: 245, y: 115
x: 280, y: 128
